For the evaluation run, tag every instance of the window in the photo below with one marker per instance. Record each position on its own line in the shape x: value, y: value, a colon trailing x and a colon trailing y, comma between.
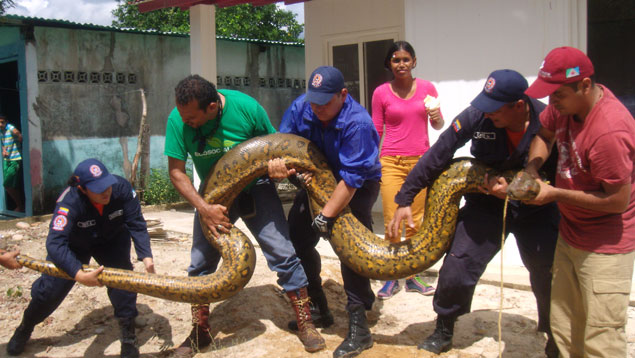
x: 362, y: 64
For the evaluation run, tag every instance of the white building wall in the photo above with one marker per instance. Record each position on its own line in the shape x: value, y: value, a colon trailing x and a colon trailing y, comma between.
x: 342, y: 20
x: 459, y: 42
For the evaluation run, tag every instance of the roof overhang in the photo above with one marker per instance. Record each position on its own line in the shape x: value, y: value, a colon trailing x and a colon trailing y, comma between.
x: 151, y: 5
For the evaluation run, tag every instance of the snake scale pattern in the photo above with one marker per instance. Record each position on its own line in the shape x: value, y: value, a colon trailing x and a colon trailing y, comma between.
x: 355, y: 245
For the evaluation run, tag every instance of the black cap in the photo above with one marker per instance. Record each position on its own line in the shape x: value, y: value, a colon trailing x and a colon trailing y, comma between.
x: 92, y: 174
x: 501, y: 87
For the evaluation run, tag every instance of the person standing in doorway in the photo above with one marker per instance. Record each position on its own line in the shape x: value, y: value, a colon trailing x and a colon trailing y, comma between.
x: 12, y: 162
x: 399, y: 107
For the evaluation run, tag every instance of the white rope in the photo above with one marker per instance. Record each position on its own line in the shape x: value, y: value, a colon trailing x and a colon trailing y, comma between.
x: 500, y: 310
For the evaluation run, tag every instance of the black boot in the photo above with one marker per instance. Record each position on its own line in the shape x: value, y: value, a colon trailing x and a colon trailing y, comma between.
x: 551, y: 349
x: 358, y: 338
x: 35, y: 313
x: 320, y: 312
x: 18, y: 342
x: 128, y: 338
x: 441, y: 340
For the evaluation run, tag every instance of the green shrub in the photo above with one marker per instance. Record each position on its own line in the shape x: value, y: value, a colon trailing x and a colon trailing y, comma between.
x: 159, y: 188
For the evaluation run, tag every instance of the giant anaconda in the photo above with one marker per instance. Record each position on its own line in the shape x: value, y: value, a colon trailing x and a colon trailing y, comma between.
x: 356, y: 246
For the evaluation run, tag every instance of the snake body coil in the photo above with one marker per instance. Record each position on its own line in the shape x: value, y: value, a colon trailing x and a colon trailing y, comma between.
x: 356, y: 246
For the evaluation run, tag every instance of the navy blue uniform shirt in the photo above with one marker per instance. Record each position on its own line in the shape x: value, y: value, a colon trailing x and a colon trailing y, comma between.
x: 489, y: 145
x: 350, y: 141
x: 77, y: 226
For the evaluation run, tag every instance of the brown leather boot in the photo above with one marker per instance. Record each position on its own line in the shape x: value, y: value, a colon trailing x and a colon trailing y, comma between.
x: 309, y: 336
x: 200, y: 337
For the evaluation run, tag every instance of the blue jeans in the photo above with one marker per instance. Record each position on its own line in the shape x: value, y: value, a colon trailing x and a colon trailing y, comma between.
x: 267, y: 224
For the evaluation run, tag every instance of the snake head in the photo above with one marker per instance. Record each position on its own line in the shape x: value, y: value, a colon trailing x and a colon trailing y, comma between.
x: 523, y: 187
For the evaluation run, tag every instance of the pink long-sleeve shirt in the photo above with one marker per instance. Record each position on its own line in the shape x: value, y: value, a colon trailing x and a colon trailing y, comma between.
x: 406, y: 120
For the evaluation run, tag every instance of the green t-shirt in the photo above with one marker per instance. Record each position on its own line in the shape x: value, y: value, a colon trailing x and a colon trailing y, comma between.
x: 242, y: 118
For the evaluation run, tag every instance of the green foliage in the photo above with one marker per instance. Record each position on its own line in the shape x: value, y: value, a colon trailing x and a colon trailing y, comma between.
x: 266, y: 22
x: 164, y: 20
x: 159, y: 189
x: 14, y: 292
x: 6, y: 5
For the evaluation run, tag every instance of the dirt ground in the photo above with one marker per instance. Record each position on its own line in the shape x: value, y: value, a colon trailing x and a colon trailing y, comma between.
x: 253, y: 323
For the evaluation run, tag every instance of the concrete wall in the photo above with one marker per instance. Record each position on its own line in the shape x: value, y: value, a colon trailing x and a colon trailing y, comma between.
x: 84, y: 95
x: 85, y: 101
x: 271, y: 73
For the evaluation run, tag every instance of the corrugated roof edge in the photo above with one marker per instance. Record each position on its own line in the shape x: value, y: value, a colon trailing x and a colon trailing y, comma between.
x: 39, y: 21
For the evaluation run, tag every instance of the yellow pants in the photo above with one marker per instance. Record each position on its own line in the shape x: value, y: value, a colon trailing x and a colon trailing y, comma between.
x: 394, y: 170
x: 589, y: 302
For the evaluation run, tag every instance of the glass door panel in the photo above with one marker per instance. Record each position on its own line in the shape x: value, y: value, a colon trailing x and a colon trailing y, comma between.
x: 346, y: 59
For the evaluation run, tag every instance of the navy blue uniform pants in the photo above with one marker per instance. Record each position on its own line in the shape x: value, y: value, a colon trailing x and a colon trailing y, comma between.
x: 357, y: 287
x: 48, y: 292
x: 476, y: 242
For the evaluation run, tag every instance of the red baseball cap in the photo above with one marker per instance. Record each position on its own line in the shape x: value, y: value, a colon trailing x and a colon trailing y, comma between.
x: 561, y: 66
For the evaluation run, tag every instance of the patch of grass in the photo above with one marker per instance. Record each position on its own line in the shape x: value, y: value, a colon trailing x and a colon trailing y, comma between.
x: 14, y: 292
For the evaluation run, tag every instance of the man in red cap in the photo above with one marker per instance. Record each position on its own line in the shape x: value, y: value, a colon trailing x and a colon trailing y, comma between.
x: 595, y: 192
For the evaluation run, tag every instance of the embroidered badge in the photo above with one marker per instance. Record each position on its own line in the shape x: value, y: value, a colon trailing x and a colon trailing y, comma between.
x: 572, y: 72
x: 542, y: 73
x: 456, y: 125
x: 95, y: 170
x: 484, y: 135
x: 59, y: 223
x: 115, y: 214
x: 62, y: 210
x: 85, y: 224
x: 489, y: 85
x: 317, y: 80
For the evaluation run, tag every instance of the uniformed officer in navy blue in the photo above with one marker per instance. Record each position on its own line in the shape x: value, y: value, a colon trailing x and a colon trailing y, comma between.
x: 94, y: 217
x: 501, y: 122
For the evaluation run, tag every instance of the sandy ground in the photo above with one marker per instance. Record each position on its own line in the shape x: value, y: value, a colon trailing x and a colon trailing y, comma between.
x: 253, y: 323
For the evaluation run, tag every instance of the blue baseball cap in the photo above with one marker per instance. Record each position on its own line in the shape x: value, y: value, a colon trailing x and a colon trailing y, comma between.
x: 92, y: 174
x: 324, y: 82
x: 501, y: 87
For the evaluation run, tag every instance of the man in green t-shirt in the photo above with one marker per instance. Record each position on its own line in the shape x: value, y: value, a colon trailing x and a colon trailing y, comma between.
x: 205, y: 124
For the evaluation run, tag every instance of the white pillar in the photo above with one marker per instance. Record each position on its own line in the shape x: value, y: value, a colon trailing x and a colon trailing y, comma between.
x: 203, y: 41
x: 203, y: 47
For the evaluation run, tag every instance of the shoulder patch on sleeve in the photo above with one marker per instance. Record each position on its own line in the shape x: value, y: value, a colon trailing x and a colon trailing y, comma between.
x: 62, y: 210
x: 59, y: 223
x: 456, y: 125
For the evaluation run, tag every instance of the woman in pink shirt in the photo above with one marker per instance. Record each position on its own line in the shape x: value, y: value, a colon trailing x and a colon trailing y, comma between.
x: 399, y: 112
